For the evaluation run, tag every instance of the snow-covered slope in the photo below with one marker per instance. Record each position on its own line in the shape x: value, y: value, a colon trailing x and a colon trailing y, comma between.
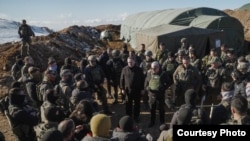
x: 9, y: 31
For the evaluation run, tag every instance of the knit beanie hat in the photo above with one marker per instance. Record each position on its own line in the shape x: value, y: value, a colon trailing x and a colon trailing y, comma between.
x: 100, y: 125
x: 52, y: 135
x: 126, y: 123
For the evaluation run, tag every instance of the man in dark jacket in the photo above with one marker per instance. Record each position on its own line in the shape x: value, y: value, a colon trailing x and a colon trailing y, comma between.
x: 131, y: 83
x: 22, y: 116
x: 25, y: 32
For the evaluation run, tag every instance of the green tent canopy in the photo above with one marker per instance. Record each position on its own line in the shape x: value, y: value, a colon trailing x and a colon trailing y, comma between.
x: 202, y: 39
x: 234, y: 31
x: 143, y: 20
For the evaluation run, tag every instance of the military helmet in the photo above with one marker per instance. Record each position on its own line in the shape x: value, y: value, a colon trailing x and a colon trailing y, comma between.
x: 148, y: 53
x: 92, y: 58
x: 242, y: 66
x: 115, y: 53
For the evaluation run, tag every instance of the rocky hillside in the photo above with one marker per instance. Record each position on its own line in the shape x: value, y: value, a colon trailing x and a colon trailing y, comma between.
x: 72, y: 41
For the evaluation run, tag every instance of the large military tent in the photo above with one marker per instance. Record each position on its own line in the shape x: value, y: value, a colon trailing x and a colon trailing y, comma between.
x: 202, y: 39
x: 234, y: 31
x: 144, y: 20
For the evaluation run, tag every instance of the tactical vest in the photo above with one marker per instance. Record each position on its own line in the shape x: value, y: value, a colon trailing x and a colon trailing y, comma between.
x: 170, y: 67
x: 154, y: 82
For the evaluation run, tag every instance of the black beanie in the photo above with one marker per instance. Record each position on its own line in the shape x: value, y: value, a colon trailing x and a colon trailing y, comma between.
x: 126, y: 123
x: 52, y: 135
x: 190, y: 97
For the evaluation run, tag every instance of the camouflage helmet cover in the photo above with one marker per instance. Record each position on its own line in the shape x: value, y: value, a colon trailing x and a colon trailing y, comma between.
x: 148, y: 53
x: 115, y: 53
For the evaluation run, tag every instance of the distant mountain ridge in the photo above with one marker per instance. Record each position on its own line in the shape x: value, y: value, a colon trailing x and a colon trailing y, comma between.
x: 9, y: 31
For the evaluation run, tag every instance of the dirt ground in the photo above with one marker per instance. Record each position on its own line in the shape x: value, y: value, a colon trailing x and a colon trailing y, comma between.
x: 52, y: 45
x: 55, y: 45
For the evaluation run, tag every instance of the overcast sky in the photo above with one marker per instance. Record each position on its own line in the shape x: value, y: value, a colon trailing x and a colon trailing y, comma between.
x: 58, y: 14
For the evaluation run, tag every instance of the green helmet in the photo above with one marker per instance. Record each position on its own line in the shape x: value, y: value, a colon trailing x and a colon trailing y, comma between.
x: 115, y: 53
x: 92, y: 58
x: 148, y: 53
x: 242, y: 66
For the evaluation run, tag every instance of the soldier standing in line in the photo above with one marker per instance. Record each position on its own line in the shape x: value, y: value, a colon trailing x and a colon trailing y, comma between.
x: 146, y: 65
x: 162, y: 53
x: 95, y: 78
x: 114, y: 70
x: 186, y: 77
x: 170, y: 66
x: 212, y: 80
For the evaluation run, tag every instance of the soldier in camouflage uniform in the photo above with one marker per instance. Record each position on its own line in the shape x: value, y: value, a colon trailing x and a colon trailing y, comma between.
x: 239, y: 107
x: 206, y: 59
x: 68, y: 64
x: 48, y: 81
x: 124, y: 53
x: 16, y: 68
x: 28, y: 62
x: 162, y: 53
x: 223, y: 52
x: 194, y: 60
x: 240, y: 77
x: 25, y: 32
x: 141, y: 53
x: 180, y: 54
x: 230, y: 64
x: 186, y: 77
x: 95, y: 78
x: 114, y: 70
x: 212, y: 80
x: 184, y: 45
x: 170, y: 66
x: 146, y: 63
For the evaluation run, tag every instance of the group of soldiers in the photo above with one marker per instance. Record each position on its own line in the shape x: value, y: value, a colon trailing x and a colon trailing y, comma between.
x: 175, y: 79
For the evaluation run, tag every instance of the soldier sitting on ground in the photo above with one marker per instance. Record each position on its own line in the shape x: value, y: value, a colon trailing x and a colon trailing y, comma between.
x: 239, y: 107
x: 221, y: 112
